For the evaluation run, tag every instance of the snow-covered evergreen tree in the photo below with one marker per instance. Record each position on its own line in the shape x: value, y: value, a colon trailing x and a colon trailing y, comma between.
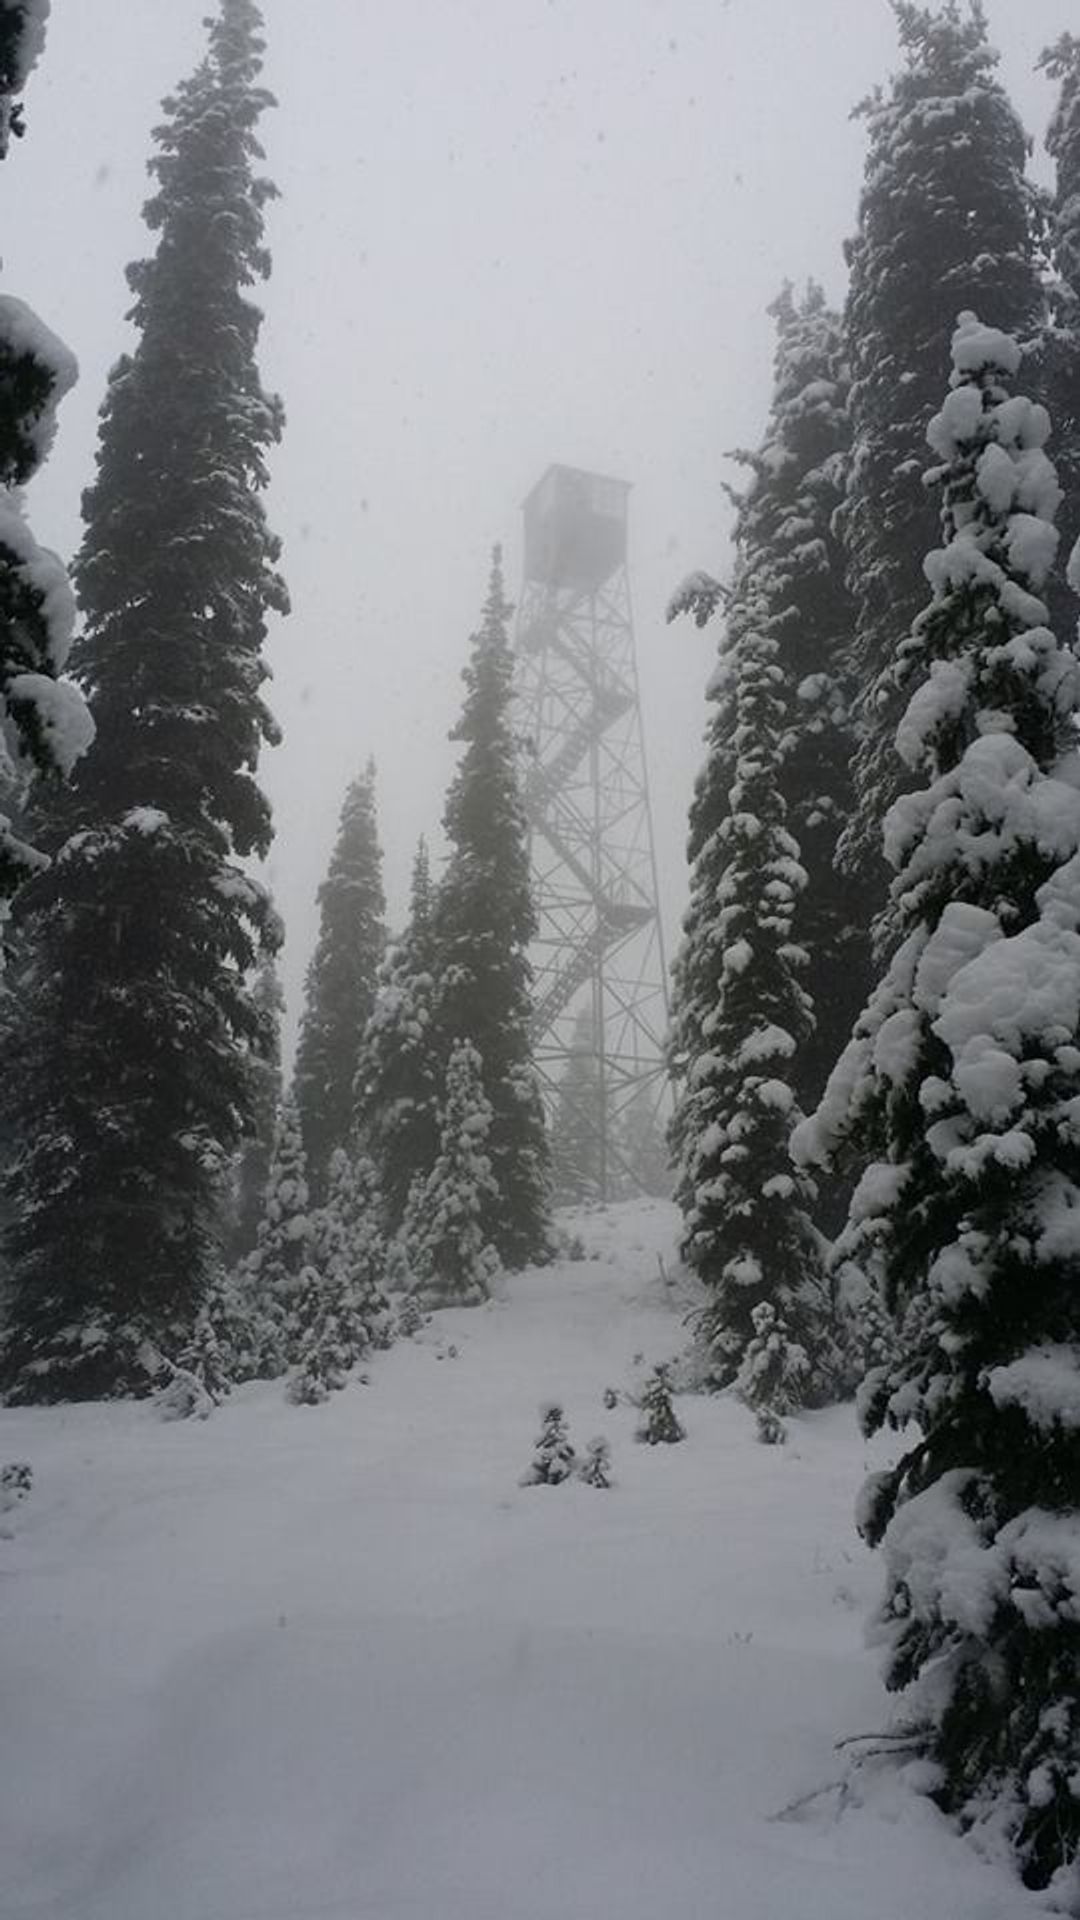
x: 786, y: 546
x: 660, y: 1424
x: 283, y: 1245
x: 397, y: 1077
x: 577, y: 1126
x: 253, y: 1165
x: 339, y: 991
x: 484, y: 921
x: 353, y: 1200
x: 449, y: 1256
x: 594, y: 1468
x: 962, y: 1081
x: 44, y: 723
x: 773, y: 1376
x: 742, y: 1012
x: 133, y: 1068
x: 554, y: 1460
x: 945, y: 223
x: 339, y: 1315
x: 1060, y: 357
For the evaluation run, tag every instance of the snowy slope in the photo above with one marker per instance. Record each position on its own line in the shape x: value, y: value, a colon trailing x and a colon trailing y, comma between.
x: 334, y: 1663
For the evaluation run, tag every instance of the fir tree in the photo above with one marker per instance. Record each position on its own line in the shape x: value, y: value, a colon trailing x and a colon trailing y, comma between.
x: 339, y: 1315
x: 595, y: 1468
x: 341, y: 980
x: 253, y: 1166
x: 961, y: 1082
x: 554, y: 1460
x: 449, y: 1256
x: 283, y: 1246
x: 45, y: 722
x: 133, y: 1076
x: 484, y: 923
x: 1060, y: 358
x: 660, y: 1425
x: 743, y: 1013
x: 397, y: 1078
x: 945, y: 223
x: 354, y: 1202
x: 773, y: 1375
x: 577, y: 1127
x: 786, y: 545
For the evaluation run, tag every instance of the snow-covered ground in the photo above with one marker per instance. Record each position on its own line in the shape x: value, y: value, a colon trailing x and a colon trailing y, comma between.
x: 335, y: 1664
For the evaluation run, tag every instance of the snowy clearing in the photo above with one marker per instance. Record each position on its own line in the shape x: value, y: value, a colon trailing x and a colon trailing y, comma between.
x: 334, y: 1663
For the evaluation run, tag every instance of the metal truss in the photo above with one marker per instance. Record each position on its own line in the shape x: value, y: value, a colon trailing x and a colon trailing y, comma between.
x: 600, y: 943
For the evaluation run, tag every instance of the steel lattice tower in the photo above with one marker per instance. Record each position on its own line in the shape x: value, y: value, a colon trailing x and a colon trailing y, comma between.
x: 600, y: 944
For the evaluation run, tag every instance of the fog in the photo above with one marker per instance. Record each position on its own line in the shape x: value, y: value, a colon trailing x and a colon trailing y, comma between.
x: 509, y: 234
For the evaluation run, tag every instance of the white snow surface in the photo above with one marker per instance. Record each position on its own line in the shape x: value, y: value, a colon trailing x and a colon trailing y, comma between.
x: 333, y: 1663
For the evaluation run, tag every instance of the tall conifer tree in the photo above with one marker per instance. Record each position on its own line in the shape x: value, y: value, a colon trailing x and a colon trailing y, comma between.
x: 341, y: 982
x: 484, y: 922
x: 788, y: 557
x: 46, y: 722
x: 961, y: 1086
x: 397, y: 1078
x: 133, y: 1071
x: 945, y: 223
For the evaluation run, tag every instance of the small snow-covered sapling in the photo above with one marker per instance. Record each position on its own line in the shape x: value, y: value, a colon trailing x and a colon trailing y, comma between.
x: 611, y: 1398
x: 554, y: 1459
x: 771, y: 1430
x: 659, y: 1423
x: 16, y: 1480
x: 595, y: 1468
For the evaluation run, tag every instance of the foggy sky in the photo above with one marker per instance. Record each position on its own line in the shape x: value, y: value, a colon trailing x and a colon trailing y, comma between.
x: 512, y: 232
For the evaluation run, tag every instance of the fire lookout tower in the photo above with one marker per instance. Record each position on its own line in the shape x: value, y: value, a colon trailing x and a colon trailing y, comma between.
x: 599, y: 956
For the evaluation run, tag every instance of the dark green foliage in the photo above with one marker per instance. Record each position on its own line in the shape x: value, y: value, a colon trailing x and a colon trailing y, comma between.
x: 397, y: 1076
x: 946, y: 222
x: 133, y: 1073
x: 484, y: 921
x: 959, y: 1088
x: 339, y: 992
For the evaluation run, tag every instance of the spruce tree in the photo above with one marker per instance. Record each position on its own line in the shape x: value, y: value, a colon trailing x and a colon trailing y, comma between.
x: 1060, y: 358
x: 339, y: 992
x: 961, y: 1085
x: 46, y: 723
x: 945, y: 223
x: 354, y: 1202
x: 484, y: 922
x: 746, y: 1228
x: 450, y: 1258
x: 283, y: 1245
x: 779, y: 747
x: 785, y: 525
x: 397, y: 1076
x: 132, y: 1074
